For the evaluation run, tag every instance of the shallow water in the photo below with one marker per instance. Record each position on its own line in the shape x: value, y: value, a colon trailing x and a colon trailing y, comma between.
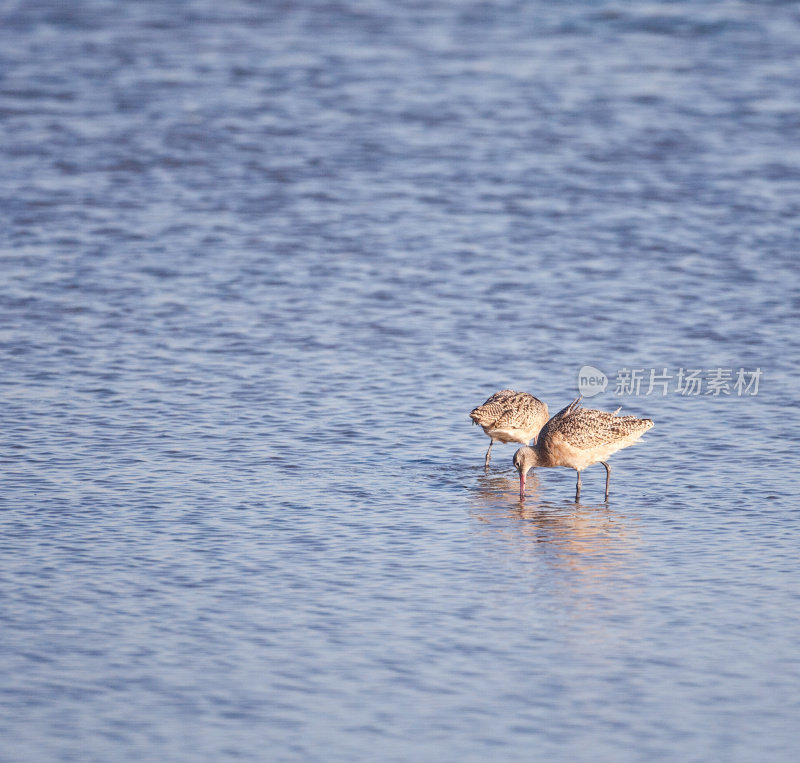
x: 260, y: 260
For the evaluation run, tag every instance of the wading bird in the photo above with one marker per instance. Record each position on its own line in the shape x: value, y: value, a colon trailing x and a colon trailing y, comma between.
x: 509, y: 416
x: 578, y: 437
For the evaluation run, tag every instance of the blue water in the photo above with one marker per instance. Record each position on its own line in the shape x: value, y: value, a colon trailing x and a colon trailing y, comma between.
x: 259, y: 261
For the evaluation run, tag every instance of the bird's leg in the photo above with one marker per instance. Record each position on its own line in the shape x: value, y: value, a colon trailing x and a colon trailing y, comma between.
x: 608, y: 476
x: 578, y: 487
x: 488, y: 455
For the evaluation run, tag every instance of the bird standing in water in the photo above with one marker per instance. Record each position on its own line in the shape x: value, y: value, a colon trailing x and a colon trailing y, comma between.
x: 509, y: 416
x: 578, y: 437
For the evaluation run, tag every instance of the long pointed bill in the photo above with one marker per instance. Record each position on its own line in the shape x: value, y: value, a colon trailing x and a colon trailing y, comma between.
x: 521, y: 485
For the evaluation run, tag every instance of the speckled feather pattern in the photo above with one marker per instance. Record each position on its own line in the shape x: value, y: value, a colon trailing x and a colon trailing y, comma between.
x: 586, y: 428
x: 508, y: 409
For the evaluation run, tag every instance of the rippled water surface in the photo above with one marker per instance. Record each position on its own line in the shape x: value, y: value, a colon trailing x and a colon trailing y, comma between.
x: 260, y: 259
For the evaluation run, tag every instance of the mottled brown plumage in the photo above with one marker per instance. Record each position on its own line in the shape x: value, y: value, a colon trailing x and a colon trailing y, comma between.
x: 509, y: 416
x: 577, y: 437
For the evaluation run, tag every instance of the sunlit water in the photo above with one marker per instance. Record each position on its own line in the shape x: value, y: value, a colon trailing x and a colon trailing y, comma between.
x: 259, y: 260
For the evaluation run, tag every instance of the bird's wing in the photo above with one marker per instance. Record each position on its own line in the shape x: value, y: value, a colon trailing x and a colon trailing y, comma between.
x: 554, y: 421
x: 495, y: 408
x: 586, y: 428
x: 488, y: 411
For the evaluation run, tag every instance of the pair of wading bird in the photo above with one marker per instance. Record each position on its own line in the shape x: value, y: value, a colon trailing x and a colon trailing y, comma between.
x: 575, y: 437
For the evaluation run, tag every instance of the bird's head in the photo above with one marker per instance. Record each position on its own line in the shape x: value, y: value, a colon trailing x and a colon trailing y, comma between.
x: 524, y: 459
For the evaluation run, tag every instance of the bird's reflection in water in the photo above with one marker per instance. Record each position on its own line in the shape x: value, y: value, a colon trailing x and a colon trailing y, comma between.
x: 589, y: 539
